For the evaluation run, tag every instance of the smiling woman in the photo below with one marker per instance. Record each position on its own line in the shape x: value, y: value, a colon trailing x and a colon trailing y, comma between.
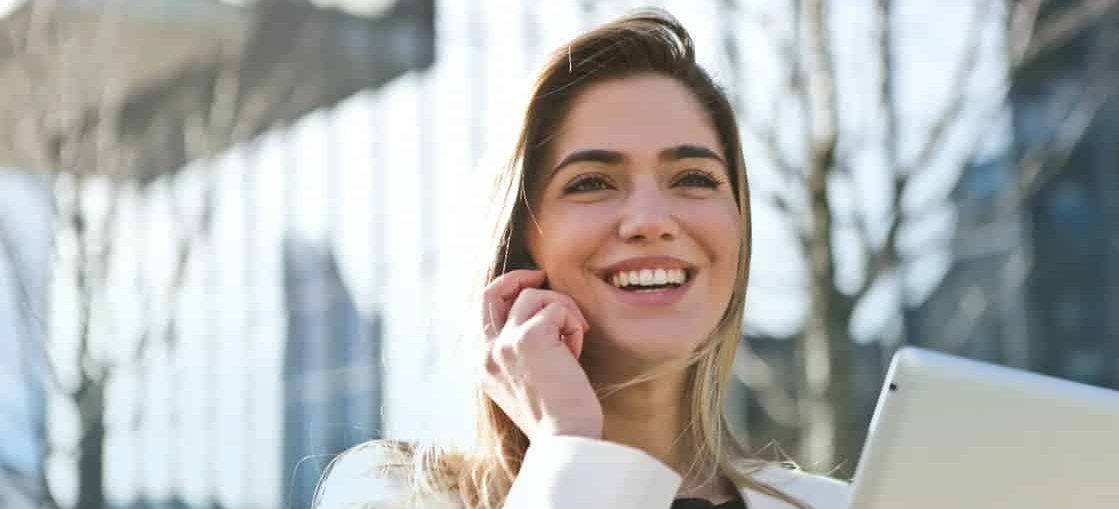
x: 639, y: 191
x: 612, y: 306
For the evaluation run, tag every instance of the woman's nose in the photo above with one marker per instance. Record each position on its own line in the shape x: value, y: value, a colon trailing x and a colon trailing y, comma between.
x: 647, y: 215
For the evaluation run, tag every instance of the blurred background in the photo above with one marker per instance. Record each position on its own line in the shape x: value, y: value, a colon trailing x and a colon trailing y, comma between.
x: 229, y: 229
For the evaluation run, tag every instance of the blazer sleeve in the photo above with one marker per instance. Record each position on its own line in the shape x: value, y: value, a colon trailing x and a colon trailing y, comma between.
x: 565, y: 471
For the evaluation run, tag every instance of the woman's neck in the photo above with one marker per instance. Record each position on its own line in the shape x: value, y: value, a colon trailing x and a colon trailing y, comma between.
x: 653, y: 416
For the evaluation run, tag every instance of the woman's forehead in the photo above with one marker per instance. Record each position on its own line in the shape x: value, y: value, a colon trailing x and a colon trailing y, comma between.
x: 639, y: 116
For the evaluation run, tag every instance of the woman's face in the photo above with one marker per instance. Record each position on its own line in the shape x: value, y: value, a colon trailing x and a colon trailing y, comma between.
x: 634, y: 197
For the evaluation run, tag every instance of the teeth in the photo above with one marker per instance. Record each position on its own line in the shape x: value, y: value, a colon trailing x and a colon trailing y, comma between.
x: 648, y: 277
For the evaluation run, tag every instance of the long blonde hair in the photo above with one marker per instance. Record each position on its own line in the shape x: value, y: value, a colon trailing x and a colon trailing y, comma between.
x: 646, y: 41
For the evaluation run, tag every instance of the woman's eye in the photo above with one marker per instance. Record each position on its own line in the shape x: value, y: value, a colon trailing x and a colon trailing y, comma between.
x: 698, y: 178
x: 587, y: 184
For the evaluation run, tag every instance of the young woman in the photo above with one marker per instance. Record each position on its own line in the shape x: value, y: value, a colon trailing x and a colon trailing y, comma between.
x: 613, y: 304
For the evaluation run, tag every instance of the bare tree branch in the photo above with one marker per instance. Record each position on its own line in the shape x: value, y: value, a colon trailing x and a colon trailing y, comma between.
x: 196, y: 233
x: 952, y: 111
x: 1068, y: 23
x: 1045, y: 161
x: 886, y: 71
x: 1023, y: 20
x: 884, y: 257
x: 1041, y: 164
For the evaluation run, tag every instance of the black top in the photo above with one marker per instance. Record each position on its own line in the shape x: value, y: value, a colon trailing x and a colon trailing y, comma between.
x: 700, y: 503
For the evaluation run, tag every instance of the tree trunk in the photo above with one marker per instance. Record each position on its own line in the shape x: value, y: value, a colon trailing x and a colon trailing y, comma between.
x: 91, y: 410
x: 826, y: 406
x: 89, y: 396
x: 829, y: 437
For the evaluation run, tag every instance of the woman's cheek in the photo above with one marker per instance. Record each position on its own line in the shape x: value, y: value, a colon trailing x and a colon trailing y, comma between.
x: 570, y: 235
x: 713, y: 219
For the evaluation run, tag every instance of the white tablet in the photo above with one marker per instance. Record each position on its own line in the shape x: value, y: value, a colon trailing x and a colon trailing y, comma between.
x: 955, y: 433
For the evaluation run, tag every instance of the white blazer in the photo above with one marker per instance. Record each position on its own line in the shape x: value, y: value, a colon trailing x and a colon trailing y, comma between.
x: 570, y: 472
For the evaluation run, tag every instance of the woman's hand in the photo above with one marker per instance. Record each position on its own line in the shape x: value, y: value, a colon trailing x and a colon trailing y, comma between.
x: 531, y: 370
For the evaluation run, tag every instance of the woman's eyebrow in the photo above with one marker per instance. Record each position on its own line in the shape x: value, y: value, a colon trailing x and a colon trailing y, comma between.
x: 594, y: 155
x: 689, y: 151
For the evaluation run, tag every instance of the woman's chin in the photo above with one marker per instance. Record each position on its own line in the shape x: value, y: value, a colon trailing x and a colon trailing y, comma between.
x: 649, y: 344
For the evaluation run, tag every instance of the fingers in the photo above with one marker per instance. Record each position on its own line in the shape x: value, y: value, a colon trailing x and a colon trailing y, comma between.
x: 552, y: 324
x: 571, y: 328
x: 532, y: 300
x: 500, y: 294
x: 515, y: 296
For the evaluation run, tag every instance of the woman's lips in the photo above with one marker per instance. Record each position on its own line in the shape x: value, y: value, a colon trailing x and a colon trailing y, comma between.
x: 663, y: 296
x: 645, y: 262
